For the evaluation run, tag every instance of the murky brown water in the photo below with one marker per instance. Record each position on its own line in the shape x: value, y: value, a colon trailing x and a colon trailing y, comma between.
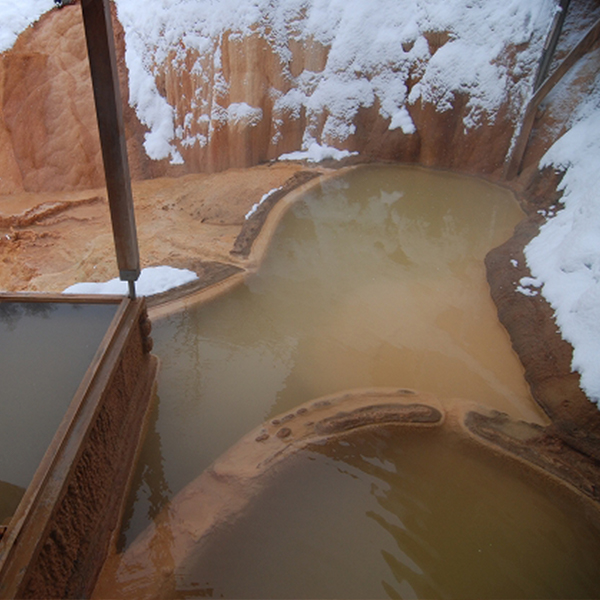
x: 45, y: 350
x: 412, y: 517
x: 377, y: 279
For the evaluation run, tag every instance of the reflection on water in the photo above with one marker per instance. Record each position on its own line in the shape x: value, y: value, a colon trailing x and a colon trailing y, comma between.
x: 11, y: 313
x: 45, y: 350
x: 376, y: 279
x: 10, y: 496
x: 383, y: 517
x: 150, y: 492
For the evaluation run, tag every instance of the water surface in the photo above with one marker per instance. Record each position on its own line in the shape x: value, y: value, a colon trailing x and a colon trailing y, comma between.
x: 45, y: 350
x: 373, y: 279
x: 415, y: 515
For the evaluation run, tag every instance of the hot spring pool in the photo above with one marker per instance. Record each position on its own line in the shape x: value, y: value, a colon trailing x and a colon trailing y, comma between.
x: 375, y: 278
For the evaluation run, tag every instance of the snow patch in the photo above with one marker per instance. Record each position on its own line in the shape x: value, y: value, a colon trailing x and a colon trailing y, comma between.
x: 152, y: 280
x: 264, y: 197
x: 402, y: 120
x: 244, y: 114
x: 317, y: 153
x: 526, y: 286
x: 17, y: 16
x: 565, y: 256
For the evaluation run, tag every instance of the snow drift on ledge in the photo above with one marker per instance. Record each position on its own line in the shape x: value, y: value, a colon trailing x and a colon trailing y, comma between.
x: 152, y: 280
x: 375, y: 47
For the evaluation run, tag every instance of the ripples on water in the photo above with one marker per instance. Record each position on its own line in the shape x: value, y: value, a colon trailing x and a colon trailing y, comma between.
x: 415, y: 517
x: 375, y: 279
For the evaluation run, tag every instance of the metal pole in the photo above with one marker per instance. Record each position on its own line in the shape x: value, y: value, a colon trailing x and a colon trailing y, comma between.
x: 109, y: 110
x: 551, y: 43
x: 583, y: 46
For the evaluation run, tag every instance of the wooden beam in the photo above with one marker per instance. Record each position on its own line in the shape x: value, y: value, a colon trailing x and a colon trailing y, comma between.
x: 61, y: 532
x: 109, y: 110
x: 513, y: 164
x: 551, y: 42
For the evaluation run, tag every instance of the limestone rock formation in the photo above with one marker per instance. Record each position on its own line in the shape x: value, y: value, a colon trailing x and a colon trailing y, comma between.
x: 241, y: 102
x: 48, y: 131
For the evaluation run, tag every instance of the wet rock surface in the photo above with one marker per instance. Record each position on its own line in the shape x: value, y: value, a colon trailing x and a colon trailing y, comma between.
x: 50, y: 241
x: 211, y: 504
x: 378, y: 415
x: 535, y: 337
x: 224, y: 490
x: 539, y: 446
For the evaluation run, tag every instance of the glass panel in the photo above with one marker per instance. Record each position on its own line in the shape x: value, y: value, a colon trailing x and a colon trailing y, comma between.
x: 45, y: 350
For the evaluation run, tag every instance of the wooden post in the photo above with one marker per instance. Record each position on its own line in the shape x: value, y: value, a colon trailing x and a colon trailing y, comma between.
x: 109, y: 110
x: 551, y: 42
x: 513, y: 163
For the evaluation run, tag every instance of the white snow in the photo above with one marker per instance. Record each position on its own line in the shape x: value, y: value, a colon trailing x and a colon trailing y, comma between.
x: 565, y: 256
x: 374, y: 48
x: 264, y: 197
x: 243, y: 113
x: 317, y: 153
x: 402, y: 119
x: 152, y: 280
x: 527, y: 285
x: 17, y: 16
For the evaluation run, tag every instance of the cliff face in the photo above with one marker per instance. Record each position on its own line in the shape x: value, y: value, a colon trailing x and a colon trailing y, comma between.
x: 254, y: 77
x: 47, y: 109
x: 239, y: 102
x: 48, y: 131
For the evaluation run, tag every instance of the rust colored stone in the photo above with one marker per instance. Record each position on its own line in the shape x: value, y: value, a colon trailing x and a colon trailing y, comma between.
x: 530, y: 323
x: 378, y: 415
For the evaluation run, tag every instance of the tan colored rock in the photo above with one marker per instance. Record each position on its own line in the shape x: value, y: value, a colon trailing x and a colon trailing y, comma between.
x: 10, y: 175
x: 48, y: 106
x: 48, y: 131
x: 51, y: 134
x: 50, y: 241
x: 252, y: 69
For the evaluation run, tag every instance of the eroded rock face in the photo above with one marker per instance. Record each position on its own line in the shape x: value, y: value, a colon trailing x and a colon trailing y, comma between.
x: 249, y: 72
x: 48, y: 107
x: 227, y: 110
x: 48, y: 132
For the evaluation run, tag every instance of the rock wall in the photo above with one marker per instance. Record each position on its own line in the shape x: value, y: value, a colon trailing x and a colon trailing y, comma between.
x: 48, y: 133
x: 46, y: 108
x: 250, y: 70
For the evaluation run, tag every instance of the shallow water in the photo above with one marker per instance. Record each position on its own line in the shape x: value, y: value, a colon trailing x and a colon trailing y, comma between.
x: 410, y: 516
x: 374, y: 279
x: 45, y: 350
